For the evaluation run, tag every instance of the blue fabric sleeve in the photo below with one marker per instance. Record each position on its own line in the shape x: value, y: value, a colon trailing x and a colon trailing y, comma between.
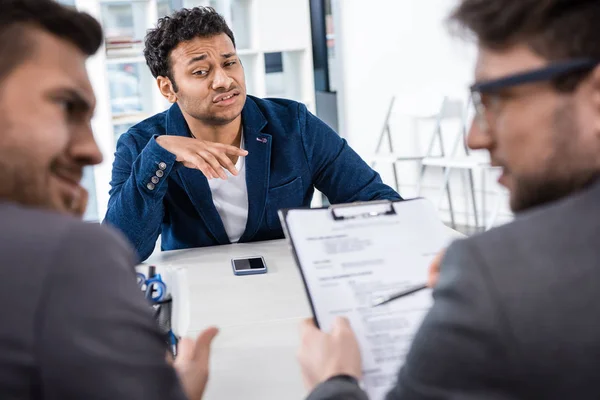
x: 136, y: 202
x: 337, y: 170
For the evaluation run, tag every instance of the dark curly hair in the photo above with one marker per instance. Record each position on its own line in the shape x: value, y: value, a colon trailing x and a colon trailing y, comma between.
x: 18, y: 17
x: 183, y: 25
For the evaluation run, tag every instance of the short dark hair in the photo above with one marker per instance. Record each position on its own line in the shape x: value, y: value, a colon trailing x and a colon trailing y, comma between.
x: 182, y: 26
x: 553, y: 29
x: 18, y: 16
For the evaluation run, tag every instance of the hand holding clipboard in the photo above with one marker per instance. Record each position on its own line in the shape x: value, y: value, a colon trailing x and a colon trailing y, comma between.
x: 349, y: 253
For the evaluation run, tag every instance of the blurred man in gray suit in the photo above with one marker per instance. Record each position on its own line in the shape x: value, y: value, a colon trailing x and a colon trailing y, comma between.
x: 517, y: 309
x: 74, y: 324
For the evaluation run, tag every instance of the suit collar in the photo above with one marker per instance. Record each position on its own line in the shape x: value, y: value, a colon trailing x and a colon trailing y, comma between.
x: 258, y: 163
x: 175, y: 122
x: 258, y: 145
x: 194, y: 182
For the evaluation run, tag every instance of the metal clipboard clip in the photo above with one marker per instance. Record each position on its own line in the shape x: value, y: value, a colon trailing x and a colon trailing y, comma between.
x: 359, y: 210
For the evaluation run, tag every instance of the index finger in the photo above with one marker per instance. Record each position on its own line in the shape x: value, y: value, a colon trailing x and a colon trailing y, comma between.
x: 434, y: 269
x: 185, y: 351
x: 307, y: 325
x: 341, y: 322
x: 232, y: 150
x: 203, y: 344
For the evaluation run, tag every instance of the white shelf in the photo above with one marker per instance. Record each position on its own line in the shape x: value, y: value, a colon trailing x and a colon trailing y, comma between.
x: 284, y: 50
x: 130, y: 118
x: 125, y: 59
x: 247, y: 52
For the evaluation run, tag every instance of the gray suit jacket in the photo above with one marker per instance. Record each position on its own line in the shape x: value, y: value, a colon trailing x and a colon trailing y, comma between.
x: 73, y: 323
x: 516, y: 314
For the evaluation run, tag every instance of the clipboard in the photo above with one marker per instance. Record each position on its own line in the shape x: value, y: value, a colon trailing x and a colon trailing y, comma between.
x: 382, y: 208
x: 378, y: 248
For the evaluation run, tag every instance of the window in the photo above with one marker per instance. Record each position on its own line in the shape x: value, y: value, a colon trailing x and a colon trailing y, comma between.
x: 89, y: 183
x: 275, y: 79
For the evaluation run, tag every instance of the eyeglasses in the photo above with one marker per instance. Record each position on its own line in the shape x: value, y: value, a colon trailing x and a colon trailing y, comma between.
x: 486, y: 96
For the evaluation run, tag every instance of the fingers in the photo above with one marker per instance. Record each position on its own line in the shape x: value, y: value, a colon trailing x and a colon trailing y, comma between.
x: 233, y: 150
x: 341, y: 327
x: 341, y: 324
x: 206, y: 169
x: 198, y: 350
x: 169, y: 358
x: 432, y: 279
x: 210, y: 159
x: 203, y: 345
x: 197, y: 162
x: 434, y: 269
x: 225, y: 162
x: 185, y: 351
x: 307, y: 326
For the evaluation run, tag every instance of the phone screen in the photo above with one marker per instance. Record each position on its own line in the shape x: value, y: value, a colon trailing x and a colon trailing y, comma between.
x: 248, y: 263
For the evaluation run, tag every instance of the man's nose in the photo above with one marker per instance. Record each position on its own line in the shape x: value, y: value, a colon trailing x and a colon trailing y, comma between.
x: 222, y: 80
x: 84, y: 148
x: 478, y: 138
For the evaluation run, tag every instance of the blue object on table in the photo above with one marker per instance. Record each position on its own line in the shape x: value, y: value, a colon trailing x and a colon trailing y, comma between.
x: 155, y: 290
x: 173, y: 340
x: 153, y: 287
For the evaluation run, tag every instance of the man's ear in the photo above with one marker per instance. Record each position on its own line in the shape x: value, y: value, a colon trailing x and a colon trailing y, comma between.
x: 166, y: 88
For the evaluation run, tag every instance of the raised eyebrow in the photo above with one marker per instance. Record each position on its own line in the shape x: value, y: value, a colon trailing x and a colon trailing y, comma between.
x: 201, y: 57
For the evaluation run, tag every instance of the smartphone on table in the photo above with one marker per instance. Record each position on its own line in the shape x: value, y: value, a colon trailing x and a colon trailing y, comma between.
x: 249, y: 265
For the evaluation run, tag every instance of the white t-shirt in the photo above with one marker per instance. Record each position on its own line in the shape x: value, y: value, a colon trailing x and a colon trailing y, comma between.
x: 231, y: 199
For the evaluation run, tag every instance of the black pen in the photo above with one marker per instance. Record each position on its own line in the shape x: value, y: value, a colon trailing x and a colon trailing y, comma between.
x: 403, y: 293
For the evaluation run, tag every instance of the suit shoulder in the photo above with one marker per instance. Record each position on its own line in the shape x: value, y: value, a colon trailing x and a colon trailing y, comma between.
x: 555, y: 222
x: 278, y: 107
x: 37, y: 237
x: 540, y: 244
x: 37, y: 225
x: 99, y: 247
x: 140, y: 134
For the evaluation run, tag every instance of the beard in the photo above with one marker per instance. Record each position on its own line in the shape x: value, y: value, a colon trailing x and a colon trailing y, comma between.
x: 24, y: 182
x: 530, y: 192
x: 571, y: 167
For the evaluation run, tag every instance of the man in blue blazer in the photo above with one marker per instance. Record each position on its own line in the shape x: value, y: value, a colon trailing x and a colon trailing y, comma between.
x: 215, y: 168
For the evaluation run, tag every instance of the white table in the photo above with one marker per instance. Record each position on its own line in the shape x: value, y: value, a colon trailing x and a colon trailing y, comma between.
x: 254, y: 355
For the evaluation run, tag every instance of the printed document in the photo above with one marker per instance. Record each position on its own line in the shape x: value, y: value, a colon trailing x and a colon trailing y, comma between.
x: 348, y: 264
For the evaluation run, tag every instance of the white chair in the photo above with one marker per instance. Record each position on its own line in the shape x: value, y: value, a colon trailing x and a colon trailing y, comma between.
x: 448, y: 161
x: 391, y: 156
x: 459, y: 158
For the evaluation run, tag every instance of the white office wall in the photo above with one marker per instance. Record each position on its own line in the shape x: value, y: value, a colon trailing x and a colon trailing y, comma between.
x: 283, y: 24
x: 403, y: 48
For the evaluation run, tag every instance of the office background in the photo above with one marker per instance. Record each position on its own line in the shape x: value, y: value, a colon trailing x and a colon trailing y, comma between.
x: 360, y: 66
